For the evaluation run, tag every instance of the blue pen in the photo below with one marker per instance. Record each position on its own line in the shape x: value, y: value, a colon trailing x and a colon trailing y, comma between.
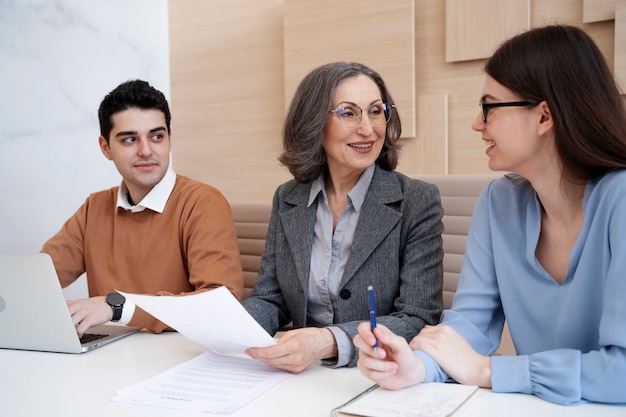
x: 370, y: 292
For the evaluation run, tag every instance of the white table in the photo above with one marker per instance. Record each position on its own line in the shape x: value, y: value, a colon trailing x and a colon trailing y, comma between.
x: 37, y: 384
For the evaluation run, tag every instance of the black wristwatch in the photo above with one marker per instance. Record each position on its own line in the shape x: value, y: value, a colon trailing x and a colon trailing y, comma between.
x: 116, y: 301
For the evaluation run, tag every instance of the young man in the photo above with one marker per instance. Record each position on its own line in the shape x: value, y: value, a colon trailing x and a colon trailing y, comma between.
x: 157, y: 233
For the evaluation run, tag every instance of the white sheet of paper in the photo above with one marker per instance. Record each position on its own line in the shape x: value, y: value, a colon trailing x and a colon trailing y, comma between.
x: 215, y: 319
x: 207, y: 383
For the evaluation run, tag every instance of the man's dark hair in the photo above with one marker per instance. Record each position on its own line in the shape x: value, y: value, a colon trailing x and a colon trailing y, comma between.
x: 131, y: 94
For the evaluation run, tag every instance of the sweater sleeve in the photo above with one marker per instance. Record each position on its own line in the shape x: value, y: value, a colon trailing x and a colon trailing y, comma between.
x: 66, y: 247
x: 208, y: 244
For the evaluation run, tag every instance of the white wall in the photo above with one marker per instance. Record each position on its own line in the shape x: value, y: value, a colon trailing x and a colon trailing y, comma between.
x: 58, y: 59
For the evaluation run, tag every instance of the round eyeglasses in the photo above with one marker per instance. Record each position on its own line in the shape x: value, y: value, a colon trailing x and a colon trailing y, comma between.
x: 350, y: 116
x: 488, y: 106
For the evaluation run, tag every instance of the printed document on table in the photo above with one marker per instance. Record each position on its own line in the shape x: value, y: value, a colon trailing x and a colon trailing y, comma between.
x: 207, y: 383
x: 215, y: 319
x: 431, y: 399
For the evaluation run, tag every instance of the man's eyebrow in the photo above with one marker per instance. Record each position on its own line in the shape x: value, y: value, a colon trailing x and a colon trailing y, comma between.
x: 134, y: 132
x: 126, y: 133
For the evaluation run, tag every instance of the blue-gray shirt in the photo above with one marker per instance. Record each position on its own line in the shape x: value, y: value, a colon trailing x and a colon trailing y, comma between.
x: 329, y: 255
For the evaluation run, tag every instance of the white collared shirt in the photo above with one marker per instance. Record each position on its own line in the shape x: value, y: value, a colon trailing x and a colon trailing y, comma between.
x: 155, y: 200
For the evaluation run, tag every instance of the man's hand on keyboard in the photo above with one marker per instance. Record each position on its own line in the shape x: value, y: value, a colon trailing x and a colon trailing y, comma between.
x: 89, y: 312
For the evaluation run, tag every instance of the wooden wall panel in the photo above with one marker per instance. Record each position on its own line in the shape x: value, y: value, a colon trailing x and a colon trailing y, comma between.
x: 378, y: 34
x: 599, y: 10
x: 475, y: 27
x: 556, y: 11
x: 428, y: 152
x: 620, y: 47
x: 227, y: 94
x: 462, y: 83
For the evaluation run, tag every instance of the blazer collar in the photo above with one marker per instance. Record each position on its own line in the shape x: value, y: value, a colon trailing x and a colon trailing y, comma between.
x: 378, y: 217
x: 376, y: 220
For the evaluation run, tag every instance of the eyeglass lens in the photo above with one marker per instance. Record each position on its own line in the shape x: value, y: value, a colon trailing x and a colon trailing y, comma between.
x: 350, y: 116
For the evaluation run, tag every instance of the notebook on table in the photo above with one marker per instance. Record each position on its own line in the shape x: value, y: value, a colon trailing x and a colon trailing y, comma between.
x: 34, y: 313
x: 431, y: 399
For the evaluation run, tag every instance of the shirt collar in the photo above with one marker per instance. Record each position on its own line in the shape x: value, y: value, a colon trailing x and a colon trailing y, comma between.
x: 155, y: 200
x: 316, y: 188
x: 356, y: 194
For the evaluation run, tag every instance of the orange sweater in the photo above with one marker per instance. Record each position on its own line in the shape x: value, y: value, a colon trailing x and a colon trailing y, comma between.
x: 190, y: 247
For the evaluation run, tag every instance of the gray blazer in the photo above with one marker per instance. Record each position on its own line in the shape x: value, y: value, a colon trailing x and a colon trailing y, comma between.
x: 397, y: 248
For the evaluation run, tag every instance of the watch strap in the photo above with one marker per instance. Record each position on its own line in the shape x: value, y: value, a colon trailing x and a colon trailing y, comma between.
x: 117, y: 312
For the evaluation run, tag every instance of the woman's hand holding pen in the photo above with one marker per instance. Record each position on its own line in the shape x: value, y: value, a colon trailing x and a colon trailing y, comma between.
x: 394, y: 366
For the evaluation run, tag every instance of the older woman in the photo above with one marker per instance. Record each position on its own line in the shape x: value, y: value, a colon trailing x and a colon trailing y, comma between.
x: 346, y: 221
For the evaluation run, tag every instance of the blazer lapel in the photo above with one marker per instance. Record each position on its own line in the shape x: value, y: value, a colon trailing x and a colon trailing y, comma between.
x: 375, y: 220
x: 299, y: 221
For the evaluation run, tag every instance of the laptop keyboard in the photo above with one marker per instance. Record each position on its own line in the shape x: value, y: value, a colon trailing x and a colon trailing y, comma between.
x: 90, y: 337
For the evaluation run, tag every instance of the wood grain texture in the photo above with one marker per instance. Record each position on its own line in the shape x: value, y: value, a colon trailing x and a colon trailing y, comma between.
x: 227, y: 94
x: 428, y: 152
x: 475, y: 27
x: 599, y: 10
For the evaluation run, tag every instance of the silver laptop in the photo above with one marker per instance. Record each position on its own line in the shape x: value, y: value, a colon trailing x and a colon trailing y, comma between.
x: 34, y: 313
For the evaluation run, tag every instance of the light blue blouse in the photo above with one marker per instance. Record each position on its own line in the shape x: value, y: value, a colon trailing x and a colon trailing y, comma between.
x: 570, y: 338
x: 329, y: 255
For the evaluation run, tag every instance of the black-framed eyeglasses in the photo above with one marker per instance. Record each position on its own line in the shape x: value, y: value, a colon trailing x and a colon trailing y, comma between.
x: 488, y: 106
x: 350, y: 116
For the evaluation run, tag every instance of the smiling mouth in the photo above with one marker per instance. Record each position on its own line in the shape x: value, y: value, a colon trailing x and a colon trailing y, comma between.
x: 489, y: 143
x: 360, y: 145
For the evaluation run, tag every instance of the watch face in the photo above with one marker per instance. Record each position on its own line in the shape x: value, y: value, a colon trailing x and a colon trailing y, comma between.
x: 115, y: 299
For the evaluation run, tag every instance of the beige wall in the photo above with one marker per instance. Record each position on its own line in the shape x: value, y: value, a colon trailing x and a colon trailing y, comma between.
x: 234, y: 65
